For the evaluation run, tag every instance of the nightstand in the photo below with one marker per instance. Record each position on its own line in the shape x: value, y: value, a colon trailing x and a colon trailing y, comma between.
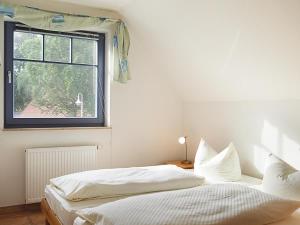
x: 181, y: 165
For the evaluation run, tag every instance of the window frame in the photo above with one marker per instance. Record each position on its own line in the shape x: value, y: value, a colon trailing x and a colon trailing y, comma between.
x: 10, y: 121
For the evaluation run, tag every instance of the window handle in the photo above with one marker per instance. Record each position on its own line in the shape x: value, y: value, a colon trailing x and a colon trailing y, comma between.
x: 9, y: 76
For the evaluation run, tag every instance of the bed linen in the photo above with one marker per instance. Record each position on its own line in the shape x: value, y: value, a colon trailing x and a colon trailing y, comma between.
x: 294, y: 219
x: 218, y: 204
x: 106, y: 183
x: 66, y: 210
x: 245, y: 180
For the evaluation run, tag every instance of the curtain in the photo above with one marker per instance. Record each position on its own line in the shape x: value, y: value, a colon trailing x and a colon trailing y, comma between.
x: 46, y: 20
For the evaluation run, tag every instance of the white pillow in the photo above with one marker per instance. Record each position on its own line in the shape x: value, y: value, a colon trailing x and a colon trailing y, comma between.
x: 223, y: 166
x: 281, y: 179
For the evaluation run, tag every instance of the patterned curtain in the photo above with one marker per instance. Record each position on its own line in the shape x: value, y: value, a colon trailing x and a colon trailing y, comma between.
x: 46, y: 20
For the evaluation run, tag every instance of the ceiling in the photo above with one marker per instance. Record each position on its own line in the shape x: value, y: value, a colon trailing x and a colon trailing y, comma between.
x: 218, y: 50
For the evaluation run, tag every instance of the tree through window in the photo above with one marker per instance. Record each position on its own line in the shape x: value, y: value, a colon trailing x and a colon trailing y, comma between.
x: 53, y: 79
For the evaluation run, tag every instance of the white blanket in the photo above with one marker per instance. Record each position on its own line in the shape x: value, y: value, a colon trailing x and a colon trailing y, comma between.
x: 219, y: 204
x: 107, y: 183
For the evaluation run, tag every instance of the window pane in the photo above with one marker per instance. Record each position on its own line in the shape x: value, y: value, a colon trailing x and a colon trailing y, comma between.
x: 57, y: 48
x: 46, y: 90
x: 84, y: 51
x: 28, y: 46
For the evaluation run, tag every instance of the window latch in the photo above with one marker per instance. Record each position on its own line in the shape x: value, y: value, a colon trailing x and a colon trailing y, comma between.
x: 9, y: 76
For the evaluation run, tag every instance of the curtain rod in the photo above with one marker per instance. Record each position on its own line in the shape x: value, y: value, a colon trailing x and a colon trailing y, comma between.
x: 112, y: 18
x: 89, y: 34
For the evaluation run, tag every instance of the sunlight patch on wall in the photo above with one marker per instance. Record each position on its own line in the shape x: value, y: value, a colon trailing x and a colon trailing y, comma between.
x: 270, y: 137
x: 275, y: 141
x: 290, y: 151
x: 260, y: 158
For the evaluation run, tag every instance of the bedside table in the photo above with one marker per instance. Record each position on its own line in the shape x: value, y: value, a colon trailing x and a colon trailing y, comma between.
x: 181, y: 165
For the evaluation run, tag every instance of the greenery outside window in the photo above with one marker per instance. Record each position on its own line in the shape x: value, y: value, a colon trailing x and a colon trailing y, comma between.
x: 53, y: 79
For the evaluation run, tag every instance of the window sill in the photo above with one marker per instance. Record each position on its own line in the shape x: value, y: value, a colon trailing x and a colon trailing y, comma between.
x: 57, y: 128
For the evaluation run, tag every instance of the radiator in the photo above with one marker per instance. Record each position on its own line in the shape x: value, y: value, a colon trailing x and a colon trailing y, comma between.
x: 43, y: 164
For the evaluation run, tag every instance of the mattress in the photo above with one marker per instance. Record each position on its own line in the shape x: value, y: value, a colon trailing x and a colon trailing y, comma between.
x: 66, y: 210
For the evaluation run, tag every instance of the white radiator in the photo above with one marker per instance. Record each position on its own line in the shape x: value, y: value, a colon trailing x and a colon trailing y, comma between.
x: 43, y: 164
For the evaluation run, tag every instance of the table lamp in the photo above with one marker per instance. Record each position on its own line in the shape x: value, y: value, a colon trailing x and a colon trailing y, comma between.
x: 182, y: 140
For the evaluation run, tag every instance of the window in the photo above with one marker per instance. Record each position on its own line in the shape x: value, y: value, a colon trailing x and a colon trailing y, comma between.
x: 53, y: 79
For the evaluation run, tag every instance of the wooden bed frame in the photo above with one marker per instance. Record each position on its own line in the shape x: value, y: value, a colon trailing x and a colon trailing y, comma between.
x: 51, y: 218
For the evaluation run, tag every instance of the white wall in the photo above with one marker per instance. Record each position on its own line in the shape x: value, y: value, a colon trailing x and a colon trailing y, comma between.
x: 255, y: 127
x: 224, y: 57
x: 146, y: 120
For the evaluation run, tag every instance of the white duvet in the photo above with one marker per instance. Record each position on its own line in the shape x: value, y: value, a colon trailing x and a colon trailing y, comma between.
x: 107, y: 183
x: 219, y: 204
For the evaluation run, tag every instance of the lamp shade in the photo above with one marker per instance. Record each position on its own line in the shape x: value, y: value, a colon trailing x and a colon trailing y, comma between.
x: 181, y: 140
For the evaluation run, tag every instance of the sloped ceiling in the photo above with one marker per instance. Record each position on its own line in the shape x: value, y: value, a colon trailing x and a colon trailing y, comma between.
x: 216, y: 50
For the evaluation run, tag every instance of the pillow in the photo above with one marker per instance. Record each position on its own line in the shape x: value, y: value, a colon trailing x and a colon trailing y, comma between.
x: 204, y: 153
x: 223, y: 166
x: 281, y: 179
x: 107, y: 183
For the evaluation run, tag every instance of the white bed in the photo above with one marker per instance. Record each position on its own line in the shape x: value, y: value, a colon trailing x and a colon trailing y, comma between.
x: 294, y: 219
x: 107, y: 185
x: 218, y: 204
x: 66, y: 210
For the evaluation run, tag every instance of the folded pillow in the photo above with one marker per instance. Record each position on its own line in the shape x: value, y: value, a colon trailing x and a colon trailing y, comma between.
x: 223, y: 166
x: 281, y: 179
x: 106, y: 183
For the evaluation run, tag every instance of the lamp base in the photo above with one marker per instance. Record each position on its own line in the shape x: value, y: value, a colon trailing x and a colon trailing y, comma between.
x: 186, y: 162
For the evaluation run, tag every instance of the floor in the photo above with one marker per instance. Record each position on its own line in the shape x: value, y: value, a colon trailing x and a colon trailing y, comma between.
x: 22, y: 216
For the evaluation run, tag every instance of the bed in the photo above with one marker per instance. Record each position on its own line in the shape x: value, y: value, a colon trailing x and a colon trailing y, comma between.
x: 217, y: 204
x: 294, y: 219
x: 106, y: 185
x: 64, y: 214
x: 59, y: 211
x: 65, y: 210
